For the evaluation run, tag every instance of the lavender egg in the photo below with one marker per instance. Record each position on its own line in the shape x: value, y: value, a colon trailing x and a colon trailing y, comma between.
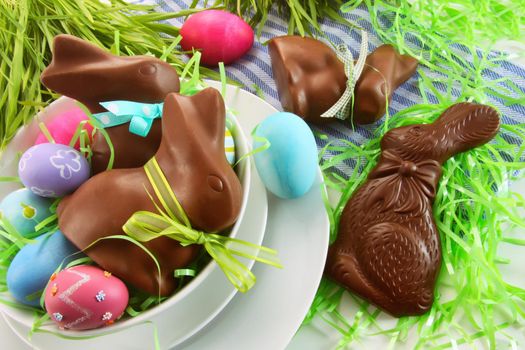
x: 53, y: 170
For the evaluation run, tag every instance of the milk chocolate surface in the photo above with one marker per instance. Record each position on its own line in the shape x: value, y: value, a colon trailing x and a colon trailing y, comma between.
x: 388, y: 248
x: 310, y: 78
x: 91, y: 75
x: 191, y: 155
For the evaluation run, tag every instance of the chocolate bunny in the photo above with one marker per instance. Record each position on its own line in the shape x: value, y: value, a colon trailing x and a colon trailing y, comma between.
x: 388, y: 247
x: 310, y: 78
x: 191, y: 155
x: 90, y: 75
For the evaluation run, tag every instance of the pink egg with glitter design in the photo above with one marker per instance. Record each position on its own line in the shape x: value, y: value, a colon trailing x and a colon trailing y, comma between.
x: 85, y: 297
x: 64, y: 126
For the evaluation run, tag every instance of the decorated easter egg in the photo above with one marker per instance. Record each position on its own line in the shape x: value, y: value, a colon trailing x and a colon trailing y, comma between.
x: 229, y: 146
x: 32, y: 266
x: 53, y: 170
x: 24, y: 210
x: 64, y: 126
x: 85, y: 297
x: 220, y: 36
x: 288, y: 167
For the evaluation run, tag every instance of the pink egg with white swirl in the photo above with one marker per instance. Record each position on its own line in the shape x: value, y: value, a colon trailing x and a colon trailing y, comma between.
x: 85, y: 297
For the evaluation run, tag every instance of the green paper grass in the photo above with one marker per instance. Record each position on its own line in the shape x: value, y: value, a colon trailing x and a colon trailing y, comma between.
x: 27, y: 28
x: 482, y: 22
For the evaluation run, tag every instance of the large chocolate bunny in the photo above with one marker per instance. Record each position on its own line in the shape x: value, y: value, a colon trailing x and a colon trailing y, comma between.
x: 90, y: 75
x: 191, y: 156
x: 388, y: 248
x: 310, y: 78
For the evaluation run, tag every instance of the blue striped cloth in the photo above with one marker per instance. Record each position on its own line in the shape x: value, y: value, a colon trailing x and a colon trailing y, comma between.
x: 254, y: 69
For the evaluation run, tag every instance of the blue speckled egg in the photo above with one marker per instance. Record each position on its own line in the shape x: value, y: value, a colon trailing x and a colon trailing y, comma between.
x: 289, y: 167
x: 34, y: 264
x: 24, y: 210
x: 53, y: 170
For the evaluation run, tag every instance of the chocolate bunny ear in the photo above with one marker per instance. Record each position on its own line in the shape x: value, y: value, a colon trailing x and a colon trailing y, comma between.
x: 465, y: 126
x: 188, y: 121
x: 70, y: 52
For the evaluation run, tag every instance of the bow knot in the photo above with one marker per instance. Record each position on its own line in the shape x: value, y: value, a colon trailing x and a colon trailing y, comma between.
x: 140, y: 116
x: 407, y: 169
x: 171, y: 221
x: 342, y: 108
x: 404, y: 184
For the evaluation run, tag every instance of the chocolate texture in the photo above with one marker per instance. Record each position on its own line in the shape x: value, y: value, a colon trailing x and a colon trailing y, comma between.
x: 388, y: 247
x: 310, y: 78
x: 90, y: 75
x: 191, y: 155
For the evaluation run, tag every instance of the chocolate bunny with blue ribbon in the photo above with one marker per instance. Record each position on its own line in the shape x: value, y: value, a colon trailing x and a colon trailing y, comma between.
x: 388, y: 249
x: 92, y: 76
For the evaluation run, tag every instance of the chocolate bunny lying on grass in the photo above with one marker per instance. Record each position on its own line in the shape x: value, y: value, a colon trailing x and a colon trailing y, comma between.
x: 388, y: 248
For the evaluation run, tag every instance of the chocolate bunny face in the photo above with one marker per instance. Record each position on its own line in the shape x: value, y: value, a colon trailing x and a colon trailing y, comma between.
x: 90, y: 75
x: 192, y: 148
x: 191, y: 156
x: 388, y: 248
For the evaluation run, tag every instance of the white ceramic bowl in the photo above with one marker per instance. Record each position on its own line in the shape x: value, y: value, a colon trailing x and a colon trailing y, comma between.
x: 180, y: 316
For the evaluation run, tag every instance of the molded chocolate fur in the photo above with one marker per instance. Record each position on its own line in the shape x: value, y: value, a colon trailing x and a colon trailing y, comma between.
x: 388, y: 248
x: 191, y: 156
x: 90, y: 75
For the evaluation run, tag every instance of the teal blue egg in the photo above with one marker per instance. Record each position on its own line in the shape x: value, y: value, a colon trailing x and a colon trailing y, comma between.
x: 288, y: 167
x: 24, y: 210
x: 33, y: 265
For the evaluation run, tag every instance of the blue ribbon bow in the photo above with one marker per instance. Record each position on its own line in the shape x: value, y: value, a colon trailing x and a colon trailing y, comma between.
x: 140, y: 116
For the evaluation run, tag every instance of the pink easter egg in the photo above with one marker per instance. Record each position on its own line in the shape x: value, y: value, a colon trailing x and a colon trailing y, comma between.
x: 220, y: 35
x: 85, y: 297
x: 64, y: 126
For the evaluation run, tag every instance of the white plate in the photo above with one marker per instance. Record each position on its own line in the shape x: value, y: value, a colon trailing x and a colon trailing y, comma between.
x: 269, y: 315
x: 193, y: 307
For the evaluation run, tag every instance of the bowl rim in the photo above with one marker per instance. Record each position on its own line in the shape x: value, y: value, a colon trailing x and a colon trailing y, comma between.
x: 244, y: 173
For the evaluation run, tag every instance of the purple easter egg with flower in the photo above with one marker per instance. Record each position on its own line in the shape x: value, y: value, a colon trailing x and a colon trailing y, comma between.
x: 53, y: 170
x: 85, y: 297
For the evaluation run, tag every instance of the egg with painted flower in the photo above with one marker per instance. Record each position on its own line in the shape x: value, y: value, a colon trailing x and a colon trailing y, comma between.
x: 85, y: 297
x: 24, y: 210
x: 53, y: 170
x: 288, y: 167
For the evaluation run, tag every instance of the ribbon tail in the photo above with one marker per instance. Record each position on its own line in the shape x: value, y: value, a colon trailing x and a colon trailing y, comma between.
x: 252, y: 251
x: 238, y: 274
x: 140, y: 126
